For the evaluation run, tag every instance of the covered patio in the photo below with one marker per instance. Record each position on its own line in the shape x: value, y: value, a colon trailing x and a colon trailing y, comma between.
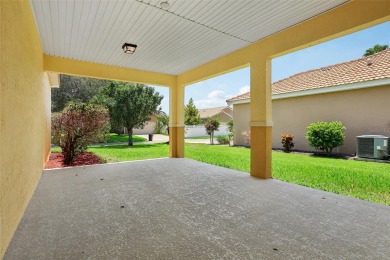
x: 178, y: 43
x: 184, y: 209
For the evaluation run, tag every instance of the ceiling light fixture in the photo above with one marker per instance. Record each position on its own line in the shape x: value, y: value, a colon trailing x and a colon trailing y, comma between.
x: 164, y: 4
x: 129, y: 48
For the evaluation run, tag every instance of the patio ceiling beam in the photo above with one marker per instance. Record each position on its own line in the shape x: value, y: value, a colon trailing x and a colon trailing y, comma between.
x: 94, y: 70
x: 343, y: 20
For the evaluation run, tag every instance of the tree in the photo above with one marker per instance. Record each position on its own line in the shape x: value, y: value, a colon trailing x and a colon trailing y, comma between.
x: 106, y: 97
x: 377, y: 48
x: 191, y: 114
x: 325, y: 136
x: 130, y: 105
x: 162, y: 123
x: 78, y: 126
x: 230, y: 129
x: 76, y: 89
x: 211, y: 125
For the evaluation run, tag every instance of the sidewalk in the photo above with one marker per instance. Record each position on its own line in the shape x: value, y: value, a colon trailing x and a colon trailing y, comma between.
x: 198, y: 141
x: 157, y: 139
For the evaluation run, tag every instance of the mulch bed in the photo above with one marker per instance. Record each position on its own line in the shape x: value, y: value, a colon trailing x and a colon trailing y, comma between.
x: 56, y: 160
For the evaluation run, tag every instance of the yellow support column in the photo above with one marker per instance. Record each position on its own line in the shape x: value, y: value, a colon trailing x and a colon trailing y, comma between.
x: 261, y: 118
x: 176, y: 121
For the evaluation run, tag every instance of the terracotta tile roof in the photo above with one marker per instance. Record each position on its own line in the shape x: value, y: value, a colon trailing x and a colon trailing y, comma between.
x: 355, y: 71
x: 240, y: 97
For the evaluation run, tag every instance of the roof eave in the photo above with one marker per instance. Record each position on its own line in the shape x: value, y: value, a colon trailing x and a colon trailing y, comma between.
x: 345, y: 87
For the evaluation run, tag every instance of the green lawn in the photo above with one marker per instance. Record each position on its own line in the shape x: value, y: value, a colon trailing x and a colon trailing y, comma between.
x: 120, y: 153
x: 115, y: 138
x: 55, y: 149
x: 204, y: 137
x: 364, y: 180
x: 229, y: 157
x: 199, y: 137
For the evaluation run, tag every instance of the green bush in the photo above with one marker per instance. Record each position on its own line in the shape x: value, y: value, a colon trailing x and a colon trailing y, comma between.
x: 223, y: 139
x: 162, y: 125
x: 325, y: 136
x: 78, y: 126
x: 230, y: 127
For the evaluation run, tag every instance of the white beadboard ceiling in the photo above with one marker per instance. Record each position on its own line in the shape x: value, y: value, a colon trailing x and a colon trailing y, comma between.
x: 187, y: 34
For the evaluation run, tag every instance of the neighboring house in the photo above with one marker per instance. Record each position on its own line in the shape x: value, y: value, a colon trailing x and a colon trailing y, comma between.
x: 224, y: 114
x: 357, y: 93
x: 149, y: 127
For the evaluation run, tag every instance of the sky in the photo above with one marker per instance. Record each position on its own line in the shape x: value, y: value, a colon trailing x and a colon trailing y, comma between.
x: 214, y: 92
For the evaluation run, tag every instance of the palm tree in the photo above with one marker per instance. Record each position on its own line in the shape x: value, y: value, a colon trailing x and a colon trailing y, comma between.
x: 375, y: 49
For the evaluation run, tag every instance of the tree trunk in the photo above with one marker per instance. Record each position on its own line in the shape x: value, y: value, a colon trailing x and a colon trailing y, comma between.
x: 68, y: 152
x: 68, y: 155
x: 130, y: 131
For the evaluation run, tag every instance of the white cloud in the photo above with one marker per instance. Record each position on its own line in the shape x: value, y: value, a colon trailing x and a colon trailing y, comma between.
x: 244, y: 89
x: 216, y: 94
x: 208, y: 103
x: 216, y: 98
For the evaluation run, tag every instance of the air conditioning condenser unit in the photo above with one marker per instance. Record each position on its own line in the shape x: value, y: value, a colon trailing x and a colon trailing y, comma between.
x: 372, y: 146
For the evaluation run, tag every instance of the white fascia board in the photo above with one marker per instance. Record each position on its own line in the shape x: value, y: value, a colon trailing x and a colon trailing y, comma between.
x: 236, y: 102
x: 359, y: 85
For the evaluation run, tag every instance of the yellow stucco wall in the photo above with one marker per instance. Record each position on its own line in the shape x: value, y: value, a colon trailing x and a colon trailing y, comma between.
x: 24, y: 114
x: 362, y: 111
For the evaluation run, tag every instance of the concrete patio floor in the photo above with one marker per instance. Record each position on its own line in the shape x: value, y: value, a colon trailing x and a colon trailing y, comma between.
x: 184, y: 209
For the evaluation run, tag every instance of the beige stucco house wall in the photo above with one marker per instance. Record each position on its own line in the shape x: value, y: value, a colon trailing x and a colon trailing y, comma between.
x: 149, y: 128
x: 223, y: 117
x: 362, y: 111
x: 241, y: 119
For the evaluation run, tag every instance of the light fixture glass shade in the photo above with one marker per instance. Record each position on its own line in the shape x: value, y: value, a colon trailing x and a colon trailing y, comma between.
x: 129, y: 48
